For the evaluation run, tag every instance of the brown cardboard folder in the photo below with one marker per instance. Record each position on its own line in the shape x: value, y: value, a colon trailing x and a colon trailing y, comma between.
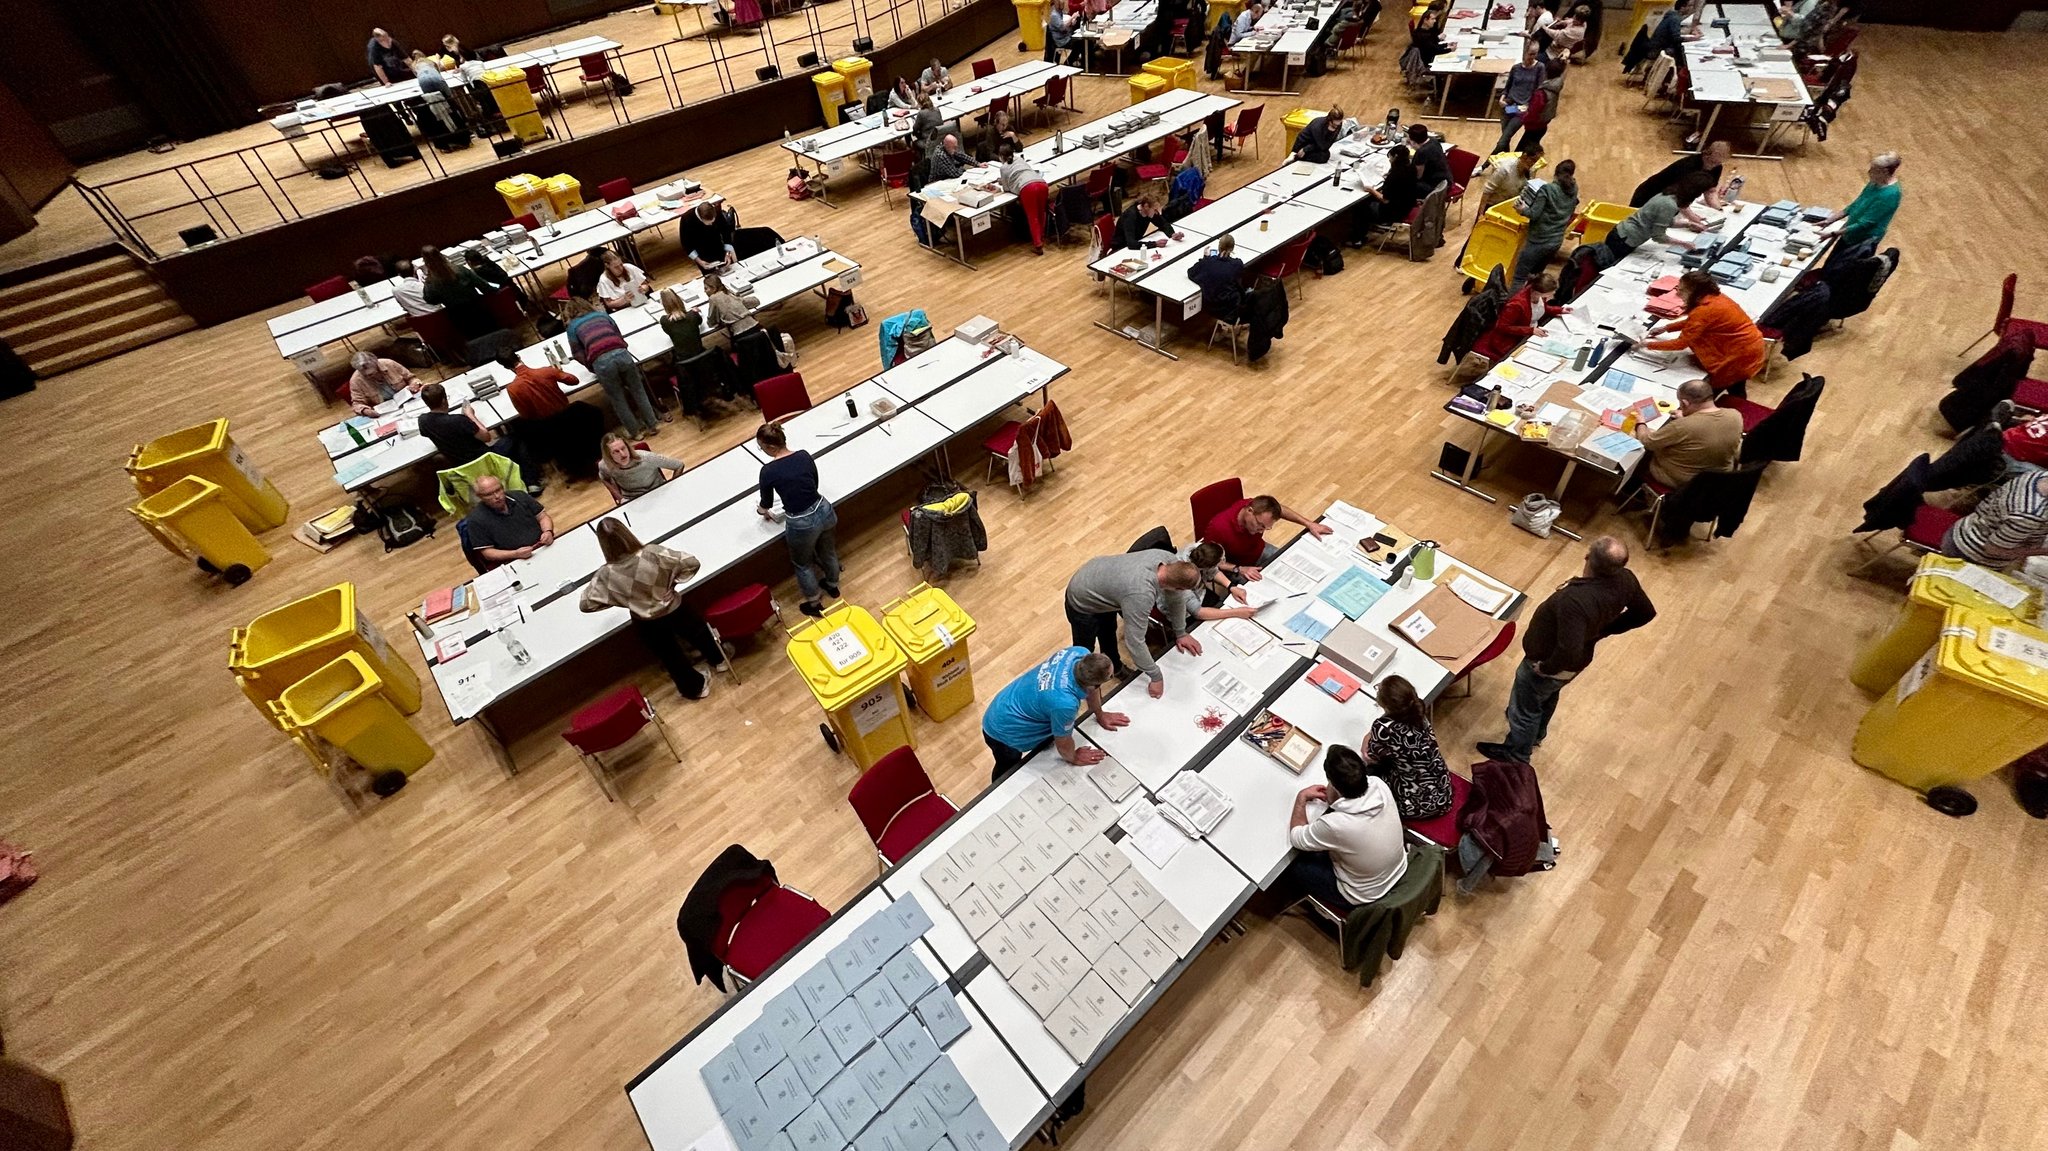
x: 1457, y: 633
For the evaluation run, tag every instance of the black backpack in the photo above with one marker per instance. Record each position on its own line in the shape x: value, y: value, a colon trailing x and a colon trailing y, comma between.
x: 396, y: 522
x: 1324, y: 256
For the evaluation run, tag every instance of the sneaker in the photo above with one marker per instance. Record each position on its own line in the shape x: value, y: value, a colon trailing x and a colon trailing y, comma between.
x: 1498, y: 751
x: 831, y: 590
x: 2005, y: 413
x: 815, y: 611
x: 703, y: 690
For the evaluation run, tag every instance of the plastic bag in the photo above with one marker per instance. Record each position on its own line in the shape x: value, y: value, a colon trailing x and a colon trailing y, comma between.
x: 1535, y: 514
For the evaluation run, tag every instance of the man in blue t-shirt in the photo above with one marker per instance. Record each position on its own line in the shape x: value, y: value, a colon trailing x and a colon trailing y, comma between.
x: 1042, y: 703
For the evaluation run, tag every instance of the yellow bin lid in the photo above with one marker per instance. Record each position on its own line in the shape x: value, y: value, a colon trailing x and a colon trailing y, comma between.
x: 2004, y: 656
x: 343, y: 680
x: 844, y: 655
x: 1299, y: 118
x: 177, y: 497
x: 563, y: 180
x: 497, y: 76
x: 927, y: 622
x: 1944, y: 583
x: 182, y: 444
x: 851, y: 65
x: 520, y: 185
x: 829, y: 81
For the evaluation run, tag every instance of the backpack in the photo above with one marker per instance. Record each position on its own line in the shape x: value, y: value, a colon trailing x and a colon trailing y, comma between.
x: 1323, y: 256
x: 403, y: 525
x: 798, y: 184
x: 919, y: 339
x: 838, y: 306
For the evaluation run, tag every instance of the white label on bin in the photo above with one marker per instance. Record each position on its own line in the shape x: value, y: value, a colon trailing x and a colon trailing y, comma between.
x: 1916, y: 677
x: 842, y: 648
x: 2002, y: 592
x: 875, y: 709
x: 249, y: 471
x: 953, y: 671
x: 374, y: 638
x: 944, y: 634
x: 2026, y: 649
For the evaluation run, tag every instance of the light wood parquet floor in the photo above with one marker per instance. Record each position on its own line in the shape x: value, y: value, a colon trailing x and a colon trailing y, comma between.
x: 1751, y: 942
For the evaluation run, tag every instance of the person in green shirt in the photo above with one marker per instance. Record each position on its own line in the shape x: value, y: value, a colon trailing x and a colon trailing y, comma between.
x: 1870, y: 213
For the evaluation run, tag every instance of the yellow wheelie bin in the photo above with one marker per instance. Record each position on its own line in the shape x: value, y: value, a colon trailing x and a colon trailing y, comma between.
x: 932, y: 630
x: 565, y: 195
x: 856, y: 672
x: 193, y: 520
x: 524, y: 193
x: 831, y: 94
x: 205, y: 450
x: 859, y: 73
x: 1175, y: 71
x: 1145, y: 85
x: 346, y: 704
x: 1598, y: 218
x: 284, y: 645
x: 1940, y: 584
x: 1974, y: 703
x: 1031, y: 24
x: 1297, y: 121
x: 1495, y: 242
x: 515, y: 104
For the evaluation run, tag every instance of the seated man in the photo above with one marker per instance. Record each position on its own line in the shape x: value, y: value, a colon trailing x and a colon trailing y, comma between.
x: 462, y: 438
x: 1323, y: 132
x: 1699, y: 437
x: 1432, y: 167
x: 2010, y: 525
x: 1246, y: 20
x: 563, y: 431
x: 1241, y: 528
x: 1143, y: 216
x: 707, y: 235
x: 409, y: 291
x: 1129, y: 586
x: 1220, y: 275
x: 377, y: 380
x: 1352, y: 850
x: 948, y: 161
x: 506, y: 526
x: 1040, y: 705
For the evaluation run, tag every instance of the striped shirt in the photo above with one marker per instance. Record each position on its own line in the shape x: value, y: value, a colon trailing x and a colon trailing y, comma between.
x: 2012, y: 521
x: 592, y: 335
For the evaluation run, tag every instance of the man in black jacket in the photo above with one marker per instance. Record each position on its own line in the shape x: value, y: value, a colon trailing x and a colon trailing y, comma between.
x: 1220, y: 275
x: 1603, y: 600
x: 1140, y: 218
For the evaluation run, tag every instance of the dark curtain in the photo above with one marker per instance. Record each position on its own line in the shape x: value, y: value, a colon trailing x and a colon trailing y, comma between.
x: 167, y: 52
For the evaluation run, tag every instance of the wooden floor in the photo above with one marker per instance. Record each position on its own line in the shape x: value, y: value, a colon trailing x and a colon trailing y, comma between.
x: 1751, y: 942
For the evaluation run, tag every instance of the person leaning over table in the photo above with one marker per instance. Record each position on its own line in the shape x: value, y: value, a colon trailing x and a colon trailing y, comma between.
x: 707, y: 235
x: 808, y: 518
x: 628, y: 472
x: 1043, y: 704
x: 1352, y: 850
x: 1241, y: 529
x: 1549, y: 206
x: 386, y: 57
x: 549, y: 424
x: 452, y: 48
x: 1699, y: 437
x: 1215, y: 597
x: 596, y: 343
x: 1023, y: 180
x: 479, y: 264
x: 623, y: 285
x: 1712, y: 160
x: 1715, y: 329
x: 1321, y: 135
x: 1142, y: 216
x: 1656, y: 216
x: 732, y: 313
x: 377, y: 380
x: 1869, y: 215
x: 645, y: 580
x: 2008, y: 526
x: 1390, y: 203
x: 1519, y: 319
x: 686, y: 335
x: 1130, y: 586
x: 1401, y: 748
x: 1220, y: 276
x: 505, y: 526
x: 1603, y: 600
x: 1246, y: 20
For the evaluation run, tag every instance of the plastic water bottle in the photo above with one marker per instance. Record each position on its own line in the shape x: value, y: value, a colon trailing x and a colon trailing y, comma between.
x: 1734, y: 189
x: 363, y: 294
x: 520, y: 655
x: 353, y: 433
x: 852, y: 409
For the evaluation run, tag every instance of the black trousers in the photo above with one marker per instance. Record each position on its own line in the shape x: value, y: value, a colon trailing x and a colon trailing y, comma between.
x: 665, y: 635
x: 1008, y: 758
x: 1096, y: 631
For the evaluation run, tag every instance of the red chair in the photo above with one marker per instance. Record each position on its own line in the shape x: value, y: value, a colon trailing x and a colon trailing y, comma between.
x: 1105, y: 233
x: 1493, y: 651
x: 1462, y: 165
x: 1055, y: 97
x: 1349, y: 37
x: 896, y: 166
x: 1101, y: 189
x: 1287, y: 261
x: 615, y: 191
x: 759, y: 922
x: 526, y: 220
x: 537, y: 83
x: 438, y: 332
x: 1999, y: 323
x: 597, y: 69
x: 898, y: 806
x: 741, y: 612
x: 329, y: 288
x: 1176, y: 154
x: 983, y: 69
x: 1443, y: 830
x: 606, y: 726
x: 1006, y: 437
x: 504, y: 305
x: 1206, y: 502
x: 999, y: 104
x: 782, y: 395
x: 2031, y: 395
x: 1245, y: 128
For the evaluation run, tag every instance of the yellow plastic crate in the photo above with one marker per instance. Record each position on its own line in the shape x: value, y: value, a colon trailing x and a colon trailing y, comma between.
x: 1145, y: 85
x: 1598, y: 218
x: 1496, y: 241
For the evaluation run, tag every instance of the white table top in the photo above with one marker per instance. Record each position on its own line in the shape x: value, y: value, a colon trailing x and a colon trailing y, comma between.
x: 1723, y: 76
x: 363, y: 99
x: 1500, y: 36
x: 864, y: 133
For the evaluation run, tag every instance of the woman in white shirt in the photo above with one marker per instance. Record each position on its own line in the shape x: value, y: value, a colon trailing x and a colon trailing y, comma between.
x: 622, y: 285
x: 1353, y: 851
x: 903, y: 97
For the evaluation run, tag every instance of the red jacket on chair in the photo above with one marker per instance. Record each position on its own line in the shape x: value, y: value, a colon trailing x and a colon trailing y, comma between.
x: 1504, y: 812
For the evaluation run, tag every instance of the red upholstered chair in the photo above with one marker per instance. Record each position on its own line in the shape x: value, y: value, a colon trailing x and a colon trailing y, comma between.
x: 439, y: 334
x: 1286, y: 263
x: 1999, y: 323
x: 1929, y: 525
x: 782, y: 395
x: 526, y: 220
x: 2032, y: 395
x: 1055, y: 97
x: 1245, y: 128
x: 1105, y: 232
x: 741, y: 612
x: 1175, y: 153
x: 1462, y: 165
x: 329, y: 288
x: 606, y: 726
x: 597, y: 70
x: 896, y: 165
x: 615, y: 191
x: 898, y: 806
x: 1492, y: 651
x: 504, y: 305
x: 1443, y: 830
x: 759, y: 922
x: 1101, y: 188
x: 1006, y: 437
x: 983, y: 69
x: 1206, y: 502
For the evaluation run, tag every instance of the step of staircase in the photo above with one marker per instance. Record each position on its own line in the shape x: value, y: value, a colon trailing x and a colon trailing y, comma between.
x: 76, y: 315
x: 72, y: 283
x: 112, y: 345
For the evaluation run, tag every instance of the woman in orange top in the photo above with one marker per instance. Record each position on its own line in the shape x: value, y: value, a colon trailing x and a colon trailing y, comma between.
x: 1716, y: 330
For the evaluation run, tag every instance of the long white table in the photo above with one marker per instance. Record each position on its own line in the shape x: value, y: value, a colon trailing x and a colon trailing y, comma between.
x: 1284, y: 32
x: 1482, y: 44
x: 384, y: 95
x: 1734, y: 53
x: 392, y: 440
x: 708, y: 511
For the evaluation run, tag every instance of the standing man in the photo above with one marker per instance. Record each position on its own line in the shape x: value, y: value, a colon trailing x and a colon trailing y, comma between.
x: 1132, y: 585
x: 1241, y: 528
x: 1041, y: 704
x: 387, y: 57
x: 1550, y: 208
x: 1603, y: 600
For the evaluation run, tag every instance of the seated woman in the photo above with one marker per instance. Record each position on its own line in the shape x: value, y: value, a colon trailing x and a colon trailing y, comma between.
x: 1401, y: 748
x: 628, y: 472
x: 1390, y: 203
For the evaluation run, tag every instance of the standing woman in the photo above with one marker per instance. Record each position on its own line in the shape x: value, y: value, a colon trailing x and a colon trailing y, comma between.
x: 685, y: 330
x: 1401, y: 748
x: 1542, y: 109
x: 1550, y: 208
x: 645, y: 580
x: 596, y: 343
x: 807, y: 517
x: 457, y: 55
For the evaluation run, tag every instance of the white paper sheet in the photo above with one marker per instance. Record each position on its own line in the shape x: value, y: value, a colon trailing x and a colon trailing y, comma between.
x: 1157, y: 840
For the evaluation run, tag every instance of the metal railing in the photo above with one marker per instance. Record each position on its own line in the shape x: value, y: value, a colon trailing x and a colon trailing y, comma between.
x: 253, y: 187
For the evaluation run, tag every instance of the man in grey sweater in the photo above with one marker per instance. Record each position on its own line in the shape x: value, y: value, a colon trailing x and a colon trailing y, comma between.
x: 1131, y: 585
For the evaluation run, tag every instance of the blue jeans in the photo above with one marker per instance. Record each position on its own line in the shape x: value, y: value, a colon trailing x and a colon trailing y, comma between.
x: 1535, y: 258
x: 1531, y: 703
x: 813, y: 549
x: 618, y: 373
x: 1475, y: 863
